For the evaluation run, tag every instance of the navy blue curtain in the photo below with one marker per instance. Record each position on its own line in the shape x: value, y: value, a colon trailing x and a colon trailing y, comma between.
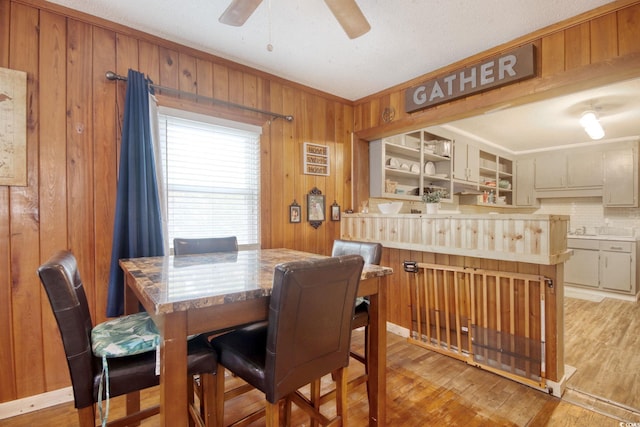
x: 137, y: 230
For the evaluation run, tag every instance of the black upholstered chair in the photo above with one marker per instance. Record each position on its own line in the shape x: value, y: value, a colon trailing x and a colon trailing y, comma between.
x: 308, y: 335
x: 127, y: 374
x: 204, y: 245
x: 372, y: 253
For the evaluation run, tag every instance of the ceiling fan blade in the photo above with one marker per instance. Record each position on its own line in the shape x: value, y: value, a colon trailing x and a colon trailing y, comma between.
x: 349, y: 16
x: 238, y: 12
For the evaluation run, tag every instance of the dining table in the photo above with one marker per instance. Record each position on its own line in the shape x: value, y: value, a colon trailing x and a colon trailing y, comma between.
x: 194, y: 294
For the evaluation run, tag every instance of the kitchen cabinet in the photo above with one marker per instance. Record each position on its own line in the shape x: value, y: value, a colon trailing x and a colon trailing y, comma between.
x: 603, y: 265
x: 574, y: 169
x: 583, y: 266
x: 466, y: 158
x: 620, y: 187
x: 617, y: 266
x: 524, y: 185
x: 402, y: 166
x: 550, y: 171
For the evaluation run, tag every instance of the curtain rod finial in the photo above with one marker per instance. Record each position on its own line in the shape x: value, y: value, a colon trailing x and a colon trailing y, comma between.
x: 110, y: 75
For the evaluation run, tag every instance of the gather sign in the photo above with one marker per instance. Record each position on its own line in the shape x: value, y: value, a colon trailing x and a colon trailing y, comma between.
x: 509, y: 67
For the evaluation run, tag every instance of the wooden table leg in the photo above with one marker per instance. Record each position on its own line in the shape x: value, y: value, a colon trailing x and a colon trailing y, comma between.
x: 377, y: 356
x: 173, y: 370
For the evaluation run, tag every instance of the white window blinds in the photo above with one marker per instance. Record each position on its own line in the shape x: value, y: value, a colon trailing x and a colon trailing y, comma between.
x: 212, y: 177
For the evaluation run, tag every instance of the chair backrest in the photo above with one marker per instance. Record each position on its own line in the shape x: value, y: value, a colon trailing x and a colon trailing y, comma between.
x: 62, y: 282
x: 370, y: 251
x: 205, y: 245
x: 310, y: 314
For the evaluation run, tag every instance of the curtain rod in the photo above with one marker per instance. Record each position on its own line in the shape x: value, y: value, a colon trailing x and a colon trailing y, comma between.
x: 110, y: 75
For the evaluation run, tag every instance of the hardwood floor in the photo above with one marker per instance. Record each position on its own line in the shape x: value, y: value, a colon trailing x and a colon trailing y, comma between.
x: 602, y: 341
x: 424, y: 389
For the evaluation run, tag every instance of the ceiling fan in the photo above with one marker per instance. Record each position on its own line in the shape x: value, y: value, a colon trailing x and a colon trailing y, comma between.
x: 346, y: 12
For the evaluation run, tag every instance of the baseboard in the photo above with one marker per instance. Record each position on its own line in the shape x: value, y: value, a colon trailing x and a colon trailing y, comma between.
x: 596, y: 295
x: 398, y: 330
x: 35, y: 403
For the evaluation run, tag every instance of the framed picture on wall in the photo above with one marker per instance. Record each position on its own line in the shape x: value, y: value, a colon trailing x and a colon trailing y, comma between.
x: 295, y: 212
x: 315, y: 208
x: 335, y: 211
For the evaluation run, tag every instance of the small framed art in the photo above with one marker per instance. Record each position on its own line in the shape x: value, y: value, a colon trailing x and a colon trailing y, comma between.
x: 335, y: 211
x: 295, y: 212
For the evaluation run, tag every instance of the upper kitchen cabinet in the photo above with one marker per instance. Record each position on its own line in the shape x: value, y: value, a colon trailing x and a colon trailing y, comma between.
x: 621, y: 177
x: 403, y: 166
x: 466, y: 162
x: 524, y: 185
x: 568, y: 169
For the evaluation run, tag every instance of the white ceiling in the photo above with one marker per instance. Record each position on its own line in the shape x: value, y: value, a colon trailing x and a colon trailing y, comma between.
x: 408, y: 38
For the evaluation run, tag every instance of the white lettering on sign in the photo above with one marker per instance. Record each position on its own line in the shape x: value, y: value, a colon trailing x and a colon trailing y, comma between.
x: 510, y: 67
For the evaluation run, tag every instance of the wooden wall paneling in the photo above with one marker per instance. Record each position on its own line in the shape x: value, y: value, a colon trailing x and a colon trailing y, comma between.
x: 204, y: 78
x: 53, y: 178
x: 252, y: 97
x: 127, y: 54
x: 236, y: 86
x: 24, y: 223
x: 552, y: 54
x: 148, y: 59
x: 169, y: 68
x: 105, y: 137
x: 577, y: 46
x: 187, y: 75
x: 8, y: 383
x: 220, y: 82
x: 278, y: 188
x: 80, y: 155
x: 629, y: 30
x: 604, y: 38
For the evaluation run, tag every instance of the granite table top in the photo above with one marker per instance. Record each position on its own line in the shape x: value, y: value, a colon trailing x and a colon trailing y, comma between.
x: 177, y: 283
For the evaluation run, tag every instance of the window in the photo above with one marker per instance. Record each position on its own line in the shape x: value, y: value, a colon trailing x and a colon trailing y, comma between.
x: 211, y: 174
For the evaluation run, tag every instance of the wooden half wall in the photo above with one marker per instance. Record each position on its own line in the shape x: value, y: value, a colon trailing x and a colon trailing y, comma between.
x: 74, y: 121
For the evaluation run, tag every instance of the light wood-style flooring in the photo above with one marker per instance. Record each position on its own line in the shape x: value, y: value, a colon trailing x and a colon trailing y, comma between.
x: 602, y: 341
x: 424, y: 389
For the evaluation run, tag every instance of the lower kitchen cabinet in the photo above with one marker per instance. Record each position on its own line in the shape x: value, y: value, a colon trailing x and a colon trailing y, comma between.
x: 604, y: 265
x: 617, y: 266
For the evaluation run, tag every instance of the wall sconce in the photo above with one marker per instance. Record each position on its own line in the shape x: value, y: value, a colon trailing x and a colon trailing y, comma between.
x: 591, y: 124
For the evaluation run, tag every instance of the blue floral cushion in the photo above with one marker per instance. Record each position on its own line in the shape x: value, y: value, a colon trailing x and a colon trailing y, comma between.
x: 125, y: 336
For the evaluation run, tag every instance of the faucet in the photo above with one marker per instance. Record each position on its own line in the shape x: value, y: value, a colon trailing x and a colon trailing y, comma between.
x: 581, y: 230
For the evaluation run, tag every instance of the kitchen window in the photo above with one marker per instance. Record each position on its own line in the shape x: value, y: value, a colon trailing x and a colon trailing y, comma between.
x: 211, y: 177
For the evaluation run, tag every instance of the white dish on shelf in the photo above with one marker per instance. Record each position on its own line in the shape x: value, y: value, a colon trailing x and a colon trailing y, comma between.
x: 429, y: 168
x: 415, y: 168
x: 393, y: 163
x: 404, y: 167
x: 390, y: 208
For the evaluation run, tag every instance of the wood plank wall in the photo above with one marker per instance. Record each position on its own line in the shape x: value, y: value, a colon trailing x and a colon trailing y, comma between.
x: 73, y: 138
x: 593, y: 49
x: 75, y: 116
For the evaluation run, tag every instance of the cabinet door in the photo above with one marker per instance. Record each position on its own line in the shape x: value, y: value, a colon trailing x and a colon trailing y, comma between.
x: 466, y: 162
x: 551, y: 171
x: 615, y: 271
x: 582, y: 268
x: 620, y: 178
x: 525, y: 194
x: 584, y: 169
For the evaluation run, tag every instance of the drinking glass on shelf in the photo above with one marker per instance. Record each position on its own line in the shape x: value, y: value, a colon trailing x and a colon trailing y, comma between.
x: 364, y: 206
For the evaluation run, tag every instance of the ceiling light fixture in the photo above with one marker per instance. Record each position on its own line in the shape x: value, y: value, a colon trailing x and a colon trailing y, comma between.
x: 591, y: 124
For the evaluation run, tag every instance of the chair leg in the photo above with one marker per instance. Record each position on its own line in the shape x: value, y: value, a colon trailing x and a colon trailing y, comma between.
x: 341, y: 395
x: 314, y: 395
x: 218, y: 404
x: 272, y: 414
x: 208, y: 384
x: 87, y: 416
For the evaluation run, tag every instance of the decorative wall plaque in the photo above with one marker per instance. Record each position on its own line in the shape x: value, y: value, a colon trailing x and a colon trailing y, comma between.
x: 316, y: 159
x: 13, y: 127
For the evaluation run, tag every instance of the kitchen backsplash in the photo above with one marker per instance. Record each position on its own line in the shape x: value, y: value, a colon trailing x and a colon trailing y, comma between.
x: 589, y: 212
